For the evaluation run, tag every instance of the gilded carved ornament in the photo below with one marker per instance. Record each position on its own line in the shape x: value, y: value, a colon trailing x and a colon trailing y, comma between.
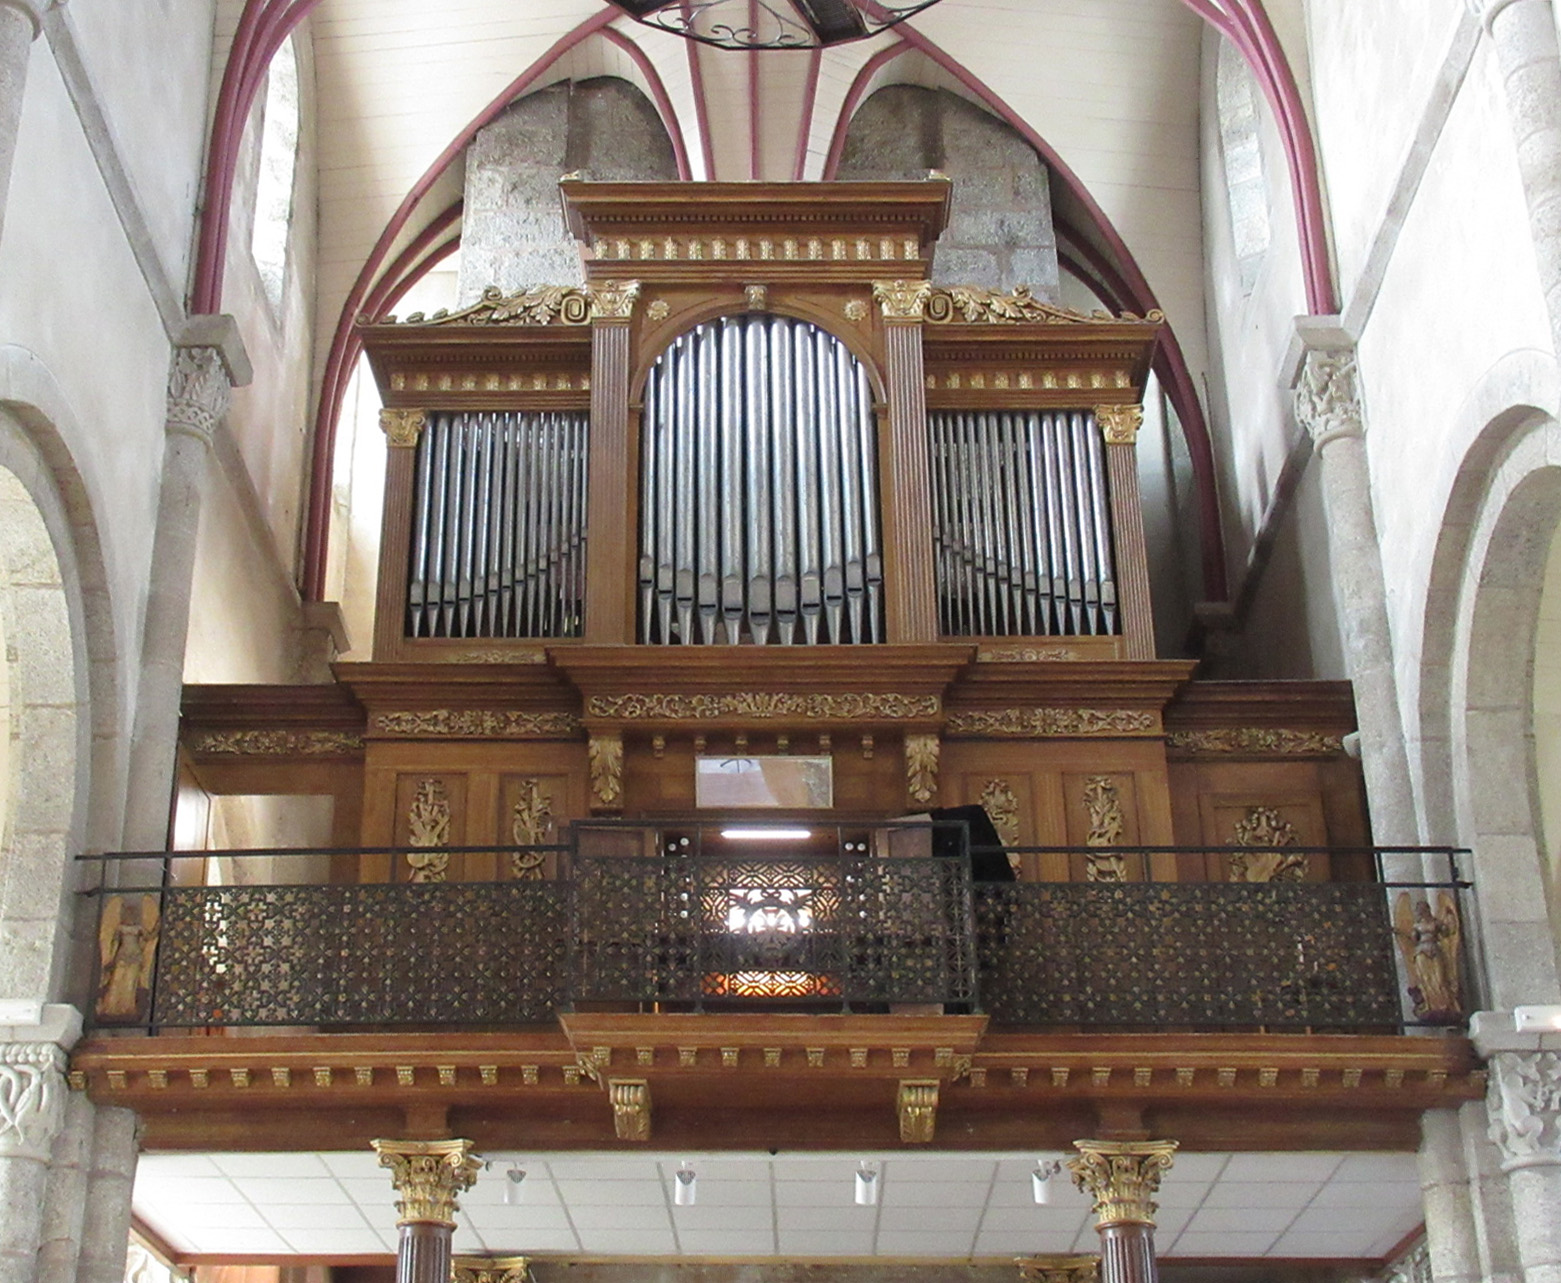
x: 1524, y: 1106
x: 1121, y: 1177
x: 475, y: 722
x: 917, y: 1105
x: 1002, y: 807
x: 902, y: 300
x: 496, y: 1269
x: 1119, y: 424
x: 402, y: 428
x: 1103, y: 808
x: 428, y: 826
x: 1059, y: 1269
x: 1256, y: 740
x: 659, y: 309
x: 921, y: 768
x: 763, y: 705
x: 428, y: 1174
x: 756, y: 297
x: 531, y: 824
x: 1263, y: 826
x: 274, y: 743
x: 630, y: 1099
x: 1024, y: 654
x: 971, y: 305
x: 1026, y: 722
x: 855, y: 309
x: 605, y: 756
x: 541, y: 305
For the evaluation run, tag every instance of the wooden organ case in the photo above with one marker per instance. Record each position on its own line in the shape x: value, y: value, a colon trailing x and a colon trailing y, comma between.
x: 758, y: 486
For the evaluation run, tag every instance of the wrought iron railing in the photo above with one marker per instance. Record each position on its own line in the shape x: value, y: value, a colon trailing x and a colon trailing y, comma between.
x: 853, y: 918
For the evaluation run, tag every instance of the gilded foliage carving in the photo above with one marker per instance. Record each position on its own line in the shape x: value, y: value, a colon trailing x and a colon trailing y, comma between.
x: 1051, y: 721
x: 258, y: 743
x: 476, y: 722
x: 1256, y: 740
x: 902, y: 300
x: 531, y: 824
x: 971, y: 305
x: 1119, y: 424
x: 997, y: 796
x: 402, y: 428
x: 428, y: 1174
x: 1059, y: 1269
x: 764, y: 705
x: 1103, y: 809
x: 1264, y: 826
x: 917, y: 1103
x: 500, y: 1269
x: 605, y: 753
x: 538, y: 305
x: 1122, y: 1177
x: 630, y: 1108
x: 1023, y: 654
x: 428, y: 827
x: 921, y: 768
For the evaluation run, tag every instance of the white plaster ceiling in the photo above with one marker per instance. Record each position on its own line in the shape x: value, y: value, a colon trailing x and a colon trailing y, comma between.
x: 934, y: 1206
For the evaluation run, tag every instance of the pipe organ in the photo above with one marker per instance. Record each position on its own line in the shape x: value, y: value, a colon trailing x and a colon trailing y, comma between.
x: 759, y: 488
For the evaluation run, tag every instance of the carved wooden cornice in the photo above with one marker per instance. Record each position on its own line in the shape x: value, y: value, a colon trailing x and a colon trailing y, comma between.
x: 1065, y: 722
x: 1255, y: 741
x: 475, y: 723
x: 540, y: 305
x: 274, y: 743
x: 762, y: 706
x: 972, y: 305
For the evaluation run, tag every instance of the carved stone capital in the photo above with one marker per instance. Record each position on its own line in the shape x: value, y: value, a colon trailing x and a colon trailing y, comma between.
x: 1119, y: 424
x: 1327, y: 396
x: 403, y: 428
x: 1122, y: 1177
x: 199, y: 390
x: 1524, y: 1103
x: 428, y: 1174
x: 902, y: 300
x: 32, y: 1098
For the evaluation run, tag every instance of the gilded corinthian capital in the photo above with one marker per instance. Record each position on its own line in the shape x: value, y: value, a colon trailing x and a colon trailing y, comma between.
x: 428, y: 1174
x: 1122, y: 1177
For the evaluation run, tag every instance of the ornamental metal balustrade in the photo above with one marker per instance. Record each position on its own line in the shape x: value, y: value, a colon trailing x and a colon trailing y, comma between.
x: 857, y: 918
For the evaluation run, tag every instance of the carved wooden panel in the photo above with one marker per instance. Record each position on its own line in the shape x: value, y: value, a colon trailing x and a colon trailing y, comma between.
x: 430, y: 814
x: 534, y: 810
x: 1259, y: 820
x: 1101, y: 810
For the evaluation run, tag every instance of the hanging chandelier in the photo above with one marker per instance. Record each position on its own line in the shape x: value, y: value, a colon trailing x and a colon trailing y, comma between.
x: 772, y: 24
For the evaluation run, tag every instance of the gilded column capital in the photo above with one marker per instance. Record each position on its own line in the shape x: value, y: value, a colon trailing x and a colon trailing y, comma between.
x: 1119, y: 424
x: 613, y: 300
x: 902, y: 300
x: 428, y: 1174
x: 1059, y: 1269
x: 1122, y: 1177
x: 490, y: 1269
x: 199, y: 390
x: 32, y: 1098
x: 1524, y: 1104
x: 402, y: 428
x: 1327, y: 395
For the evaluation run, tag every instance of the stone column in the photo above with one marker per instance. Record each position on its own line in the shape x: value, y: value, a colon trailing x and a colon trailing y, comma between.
x: 1328, y: 407
x: 20, y: 23
x: 1525, y: 1114
x: 1122, y: 1177
x: 1523, y: 37
x: 1444, y: 1192
x: 105, y: 1230
x: 32, y: 1109
x: 208, y: 362
x: 427, y: 1174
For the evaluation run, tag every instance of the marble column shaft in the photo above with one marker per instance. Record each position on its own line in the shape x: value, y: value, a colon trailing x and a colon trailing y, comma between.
x: 1328, y: 407
x: 1523, y: 37
x: 20, y: 23
x: 200, y: 381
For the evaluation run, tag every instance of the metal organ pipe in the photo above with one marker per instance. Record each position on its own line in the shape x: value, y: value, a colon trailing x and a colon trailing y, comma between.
x: 1022, y: 524
x: 498, y: 526
x: 767, y: 425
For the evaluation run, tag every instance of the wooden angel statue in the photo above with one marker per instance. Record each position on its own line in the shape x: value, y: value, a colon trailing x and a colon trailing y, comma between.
x: 127, y: 948
x: 1428, y: 940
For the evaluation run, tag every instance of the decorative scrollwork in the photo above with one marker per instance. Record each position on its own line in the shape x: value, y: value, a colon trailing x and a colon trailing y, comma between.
x: 536, y: 305
x: 476, y: 723
x: 971, y: 305
x: 1023, y: 654
x: 763, y: 706
x: 1103, y: 808
x: 275, y: 743
x: 1002, y: 807
x: 1029, y: 722
x: 1256, y: 740
x: 531, y: 824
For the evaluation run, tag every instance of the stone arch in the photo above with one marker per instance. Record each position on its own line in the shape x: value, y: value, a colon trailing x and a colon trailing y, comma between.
x: 1476, y: 682
x: 1000, y: 221
x: 61, y: 660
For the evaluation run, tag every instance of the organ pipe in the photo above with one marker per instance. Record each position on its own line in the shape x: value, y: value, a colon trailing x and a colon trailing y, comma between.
x: 767, y: 424
x: 498, y: 526
x: 1022, y: 524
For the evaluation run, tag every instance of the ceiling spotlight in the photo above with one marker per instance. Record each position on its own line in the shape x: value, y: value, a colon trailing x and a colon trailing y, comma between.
x: 684, y: 1190
x: 866, y: 1184
x: 512, y: 1183
x: 1040, y: 1179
